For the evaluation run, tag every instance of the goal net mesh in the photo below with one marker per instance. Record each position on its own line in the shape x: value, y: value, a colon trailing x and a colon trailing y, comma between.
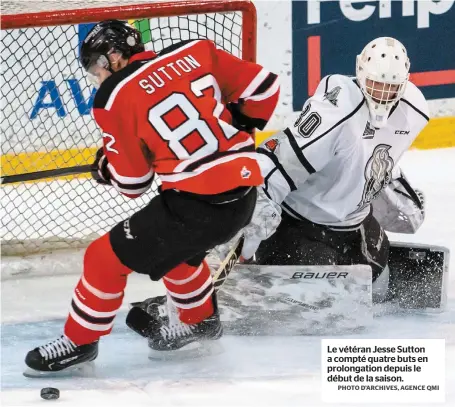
x: 46, y: 123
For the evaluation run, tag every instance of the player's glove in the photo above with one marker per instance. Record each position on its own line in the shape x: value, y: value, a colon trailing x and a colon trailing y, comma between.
x: 265, y: 220
x: 239, y: 120
x: 99, y: 170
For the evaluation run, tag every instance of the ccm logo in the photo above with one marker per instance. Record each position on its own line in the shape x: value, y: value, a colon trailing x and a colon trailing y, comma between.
x: 401, y: 132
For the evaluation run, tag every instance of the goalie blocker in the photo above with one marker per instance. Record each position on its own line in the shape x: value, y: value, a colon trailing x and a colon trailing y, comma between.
x: 417, y: 275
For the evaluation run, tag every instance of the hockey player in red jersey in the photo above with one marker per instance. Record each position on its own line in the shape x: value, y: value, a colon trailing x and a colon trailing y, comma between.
x: 185, y: 114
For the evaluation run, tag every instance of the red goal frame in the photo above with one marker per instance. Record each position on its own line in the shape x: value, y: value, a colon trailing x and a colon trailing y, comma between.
x: 22, y: 237
x: 149, y: 10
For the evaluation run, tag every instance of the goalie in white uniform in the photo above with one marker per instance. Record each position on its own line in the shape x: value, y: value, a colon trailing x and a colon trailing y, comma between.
x: 333, y: 187
x: 333, y: 174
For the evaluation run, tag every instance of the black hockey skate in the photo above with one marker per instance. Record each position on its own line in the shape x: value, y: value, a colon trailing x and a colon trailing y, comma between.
x: 155, y: 307
x: 169, y: 334
x: 56, y: 356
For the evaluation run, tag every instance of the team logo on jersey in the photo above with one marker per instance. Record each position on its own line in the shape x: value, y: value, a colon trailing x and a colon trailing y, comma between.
x: 369, y: 131
x: 271, y: 145
x: 332, y: 96
x: 378, y: 174
x: 245, y: 173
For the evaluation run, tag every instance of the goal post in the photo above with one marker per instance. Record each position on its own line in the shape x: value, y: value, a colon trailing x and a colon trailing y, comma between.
x: 46, y: 121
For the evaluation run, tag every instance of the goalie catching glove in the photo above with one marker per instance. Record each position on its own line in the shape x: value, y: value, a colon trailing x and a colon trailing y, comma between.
x: 99, y: 170
x: 266, y: 218
x: 399, y: 208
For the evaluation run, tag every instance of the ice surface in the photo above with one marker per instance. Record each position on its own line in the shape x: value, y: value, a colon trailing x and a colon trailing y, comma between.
x: 252, y: 371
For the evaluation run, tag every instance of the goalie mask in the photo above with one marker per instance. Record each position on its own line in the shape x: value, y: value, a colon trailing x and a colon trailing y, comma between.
x: 106, y: 38
x: 382, y: 70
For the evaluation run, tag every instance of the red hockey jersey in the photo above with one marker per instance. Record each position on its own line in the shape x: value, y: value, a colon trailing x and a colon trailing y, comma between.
x: 167, y: 114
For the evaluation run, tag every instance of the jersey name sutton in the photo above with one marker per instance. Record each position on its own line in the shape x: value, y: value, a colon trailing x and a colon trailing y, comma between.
x: 166, y: 114
x: 331, y: 163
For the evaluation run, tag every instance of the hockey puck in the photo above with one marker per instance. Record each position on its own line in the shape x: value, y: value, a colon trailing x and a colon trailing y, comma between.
x: 50, y: 393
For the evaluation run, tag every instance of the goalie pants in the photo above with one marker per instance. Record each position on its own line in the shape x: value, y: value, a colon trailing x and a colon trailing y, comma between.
x: 302, y: 242
x: 168, y: 238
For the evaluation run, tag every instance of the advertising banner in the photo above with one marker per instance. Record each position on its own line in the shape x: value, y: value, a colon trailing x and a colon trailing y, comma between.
x: 327, y: 36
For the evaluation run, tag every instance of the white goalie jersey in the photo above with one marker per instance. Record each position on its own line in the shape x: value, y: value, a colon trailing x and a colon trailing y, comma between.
x: 330, y: 164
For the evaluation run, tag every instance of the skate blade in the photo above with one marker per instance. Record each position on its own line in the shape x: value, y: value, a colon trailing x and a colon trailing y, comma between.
x: 193, y: 350
x: 84, y: 369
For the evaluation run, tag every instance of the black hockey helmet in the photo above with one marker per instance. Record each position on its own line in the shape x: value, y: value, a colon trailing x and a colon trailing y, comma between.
x: 107, y: 37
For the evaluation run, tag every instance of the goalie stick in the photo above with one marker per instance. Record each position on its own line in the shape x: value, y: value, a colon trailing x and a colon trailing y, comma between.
x: 33, y: 176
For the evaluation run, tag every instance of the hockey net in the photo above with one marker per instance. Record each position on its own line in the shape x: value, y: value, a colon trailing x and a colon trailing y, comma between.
x: 46, y: 121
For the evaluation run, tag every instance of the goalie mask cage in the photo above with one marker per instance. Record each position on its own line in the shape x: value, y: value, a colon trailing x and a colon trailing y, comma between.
x: 46, y: 119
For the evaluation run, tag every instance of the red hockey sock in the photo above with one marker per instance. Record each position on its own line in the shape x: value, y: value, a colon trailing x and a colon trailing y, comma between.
x: 191, y: 289
x: 98, y: 294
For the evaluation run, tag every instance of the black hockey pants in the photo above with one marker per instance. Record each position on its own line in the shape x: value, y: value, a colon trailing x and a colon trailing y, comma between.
x: 177, y: 227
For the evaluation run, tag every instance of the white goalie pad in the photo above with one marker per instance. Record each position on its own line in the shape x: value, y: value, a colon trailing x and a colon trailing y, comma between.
x: 296, y: 300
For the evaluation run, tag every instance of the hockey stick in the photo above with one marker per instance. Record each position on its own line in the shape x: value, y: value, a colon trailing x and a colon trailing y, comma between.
x: 33, y: 176
x: 228, y: 264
